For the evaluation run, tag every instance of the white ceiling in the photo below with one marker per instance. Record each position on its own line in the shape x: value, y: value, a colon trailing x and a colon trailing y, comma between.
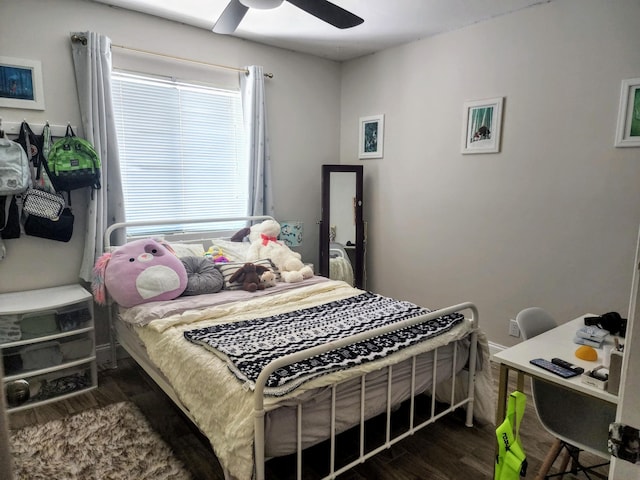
x: 386, y: 22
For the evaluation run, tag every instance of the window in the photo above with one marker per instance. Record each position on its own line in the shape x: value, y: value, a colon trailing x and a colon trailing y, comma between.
x: 182, y: 151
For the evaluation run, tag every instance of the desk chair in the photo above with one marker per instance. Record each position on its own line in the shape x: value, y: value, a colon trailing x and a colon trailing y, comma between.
x: 578, y: 422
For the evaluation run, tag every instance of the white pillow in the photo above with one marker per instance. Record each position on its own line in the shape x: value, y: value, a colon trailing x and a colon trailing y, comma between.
x: 180, y: 249
x: 187, y: 249
x: 234, y: 251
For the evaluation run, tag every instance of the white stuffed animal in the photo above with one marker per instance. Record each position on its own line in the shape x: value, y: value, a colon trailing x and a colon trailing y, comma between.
x: 268, y: 279
x: 264, y: 244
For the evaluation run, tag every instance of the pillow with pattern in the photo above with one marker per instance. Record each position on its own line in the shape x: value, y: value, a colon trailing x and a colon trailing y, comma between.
x: 228, y: 269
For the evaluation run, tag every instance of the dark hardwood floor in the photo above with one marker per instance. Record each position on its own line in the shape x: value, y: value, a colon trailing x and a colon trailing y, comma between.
x: 444, y: 451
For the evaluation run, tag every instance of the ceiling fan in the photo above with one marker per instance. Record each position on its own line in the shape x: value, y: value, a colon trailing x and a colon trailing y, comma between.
x: 322, y: 9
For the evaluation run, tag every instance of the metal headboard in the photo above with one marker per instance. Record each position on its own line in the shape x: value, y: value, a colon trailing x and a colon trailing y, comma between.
x: 173, y: 221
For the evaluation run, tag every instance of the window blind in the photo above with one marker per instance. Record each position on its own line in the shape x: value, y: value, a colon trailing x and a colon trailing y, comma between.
x: 182, y: 150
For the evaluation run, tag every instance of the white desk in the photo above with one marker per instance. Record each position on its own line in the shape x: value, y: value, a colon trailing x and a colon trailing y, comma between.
x: 557, y: 342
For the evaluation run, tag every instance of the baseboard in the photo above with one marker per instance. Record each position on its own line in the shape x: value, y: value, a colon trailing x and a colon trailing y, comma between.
x: 495, y: 348
x: 103, y: 354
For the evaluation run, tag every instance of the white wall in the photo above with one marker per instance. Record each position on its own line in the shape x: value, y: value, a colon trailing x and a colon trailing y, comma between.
x: 552, y: 219
x: 303, y: 105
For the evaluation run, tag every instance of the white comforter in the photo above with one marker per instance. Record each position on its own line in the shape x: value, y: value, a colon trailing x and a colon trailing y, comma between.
x: 221, y: 407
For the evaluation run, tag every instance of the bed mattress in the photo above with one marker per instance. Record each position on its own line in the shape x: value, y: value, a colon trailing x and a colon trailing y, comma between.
x: 280, y: 423
x: 222, y: 407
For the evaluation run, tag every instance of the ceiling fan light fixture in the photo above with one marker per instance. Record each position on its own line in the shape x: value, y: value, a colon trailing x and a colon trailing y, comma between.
x: 326, y: 11
x: 262, y: 4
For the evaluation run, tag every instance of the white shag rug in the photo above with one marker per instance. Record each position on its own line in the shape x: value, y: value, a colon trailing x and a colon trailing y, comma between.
x: 115, y: 442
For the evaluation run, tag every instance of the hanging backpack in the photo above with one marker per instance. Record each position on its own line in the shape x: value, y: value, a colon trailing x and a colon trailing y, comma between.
x: 73, y: 163
x: 10, y: 208
x: 40, y: 200
x: 15, y: 178
x: 14, y: 168
x: 34, y: 145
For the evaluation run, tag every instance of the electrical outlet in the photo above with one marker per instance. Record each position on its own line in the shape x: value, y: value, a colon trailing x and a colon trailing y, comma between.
x: 514, y: 331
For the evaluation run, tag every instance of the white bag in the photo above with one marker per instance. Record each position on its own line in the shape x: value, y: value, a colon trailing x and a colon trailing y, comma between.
x: 14, y: 168
x: 43, y: 204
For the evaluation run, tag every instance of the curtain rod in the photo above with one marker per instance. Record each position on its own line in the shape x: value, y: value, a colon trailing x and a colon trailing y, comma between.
x: 83, y: 40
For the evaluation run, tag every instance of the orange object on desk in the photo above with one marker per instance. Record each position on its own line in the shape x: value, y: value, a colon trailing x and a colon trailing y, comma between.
x: 587, y: 353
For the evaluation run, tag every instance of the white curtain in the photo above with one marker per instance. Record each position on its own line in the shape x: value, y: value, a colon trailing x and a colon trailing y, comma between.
x: 255, y: 118
x: 92, y: 62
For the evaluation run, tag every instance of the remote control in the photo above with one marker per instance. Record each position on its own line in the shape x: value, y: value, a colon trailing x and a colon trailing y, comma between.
x: 553, y: 368
x: 569, y: 365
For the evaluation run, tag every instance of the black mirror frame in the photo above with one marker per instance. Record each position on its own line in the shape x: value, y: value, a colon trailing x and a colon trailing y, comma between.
x: 358, y: 268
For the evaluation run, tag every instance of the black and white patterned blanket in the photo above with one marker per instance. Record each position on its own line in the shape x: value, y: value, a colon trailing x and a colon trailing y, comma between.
x: 250, y: 345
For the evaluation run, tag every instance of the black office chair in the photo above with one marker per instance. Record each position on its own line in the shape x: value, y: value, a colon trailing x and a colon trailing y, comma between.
x: 579, y: 422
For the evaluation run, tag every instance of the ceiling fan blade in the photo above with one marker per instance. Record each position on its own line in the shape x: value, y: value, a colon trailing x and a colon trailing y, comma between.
x: 328, y: 12
x: 230, y: 17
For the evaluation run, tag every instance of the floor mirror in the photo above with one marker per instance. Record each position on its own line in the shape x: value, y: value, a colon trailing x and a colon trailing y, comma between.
x: 342, y: 239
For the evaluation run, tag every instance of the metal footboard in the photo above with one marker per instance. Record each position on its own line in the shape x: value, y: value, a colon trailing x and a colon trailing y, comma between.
x: 414, y: 424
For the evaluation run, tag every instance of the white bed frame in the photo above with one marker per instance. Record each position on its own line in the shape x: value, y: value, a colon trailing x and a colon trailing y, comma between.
x: 139, y: 355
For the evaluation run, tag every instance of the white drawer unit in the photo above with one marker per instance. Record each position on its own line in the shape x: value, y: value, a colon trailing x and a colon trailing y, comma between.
x: 47, y: 342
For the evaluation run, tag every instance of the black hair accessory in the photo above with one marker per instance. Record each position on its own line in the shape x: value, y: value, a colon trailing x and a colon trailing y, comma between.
x: 609, y: 321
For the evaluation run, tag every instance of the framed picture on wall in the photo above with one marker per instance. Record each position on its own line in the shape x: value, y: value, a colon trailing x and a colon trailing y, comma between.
x: 21, y: 83
x: 482, y: 125
x: 628, y: 130
x: 371, y: 137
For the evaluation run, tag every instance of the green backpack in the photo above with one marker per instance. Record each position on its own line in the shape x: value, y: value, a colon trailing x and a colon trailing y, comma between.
x: 73, y: 163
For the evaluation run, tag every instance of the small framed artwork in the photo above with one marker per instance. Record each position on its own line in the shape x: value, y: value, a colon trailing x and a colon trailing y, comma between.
x: 371, y: 138
x: 21, y: 83
x: 482, y: 126
x: 628, y: 130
